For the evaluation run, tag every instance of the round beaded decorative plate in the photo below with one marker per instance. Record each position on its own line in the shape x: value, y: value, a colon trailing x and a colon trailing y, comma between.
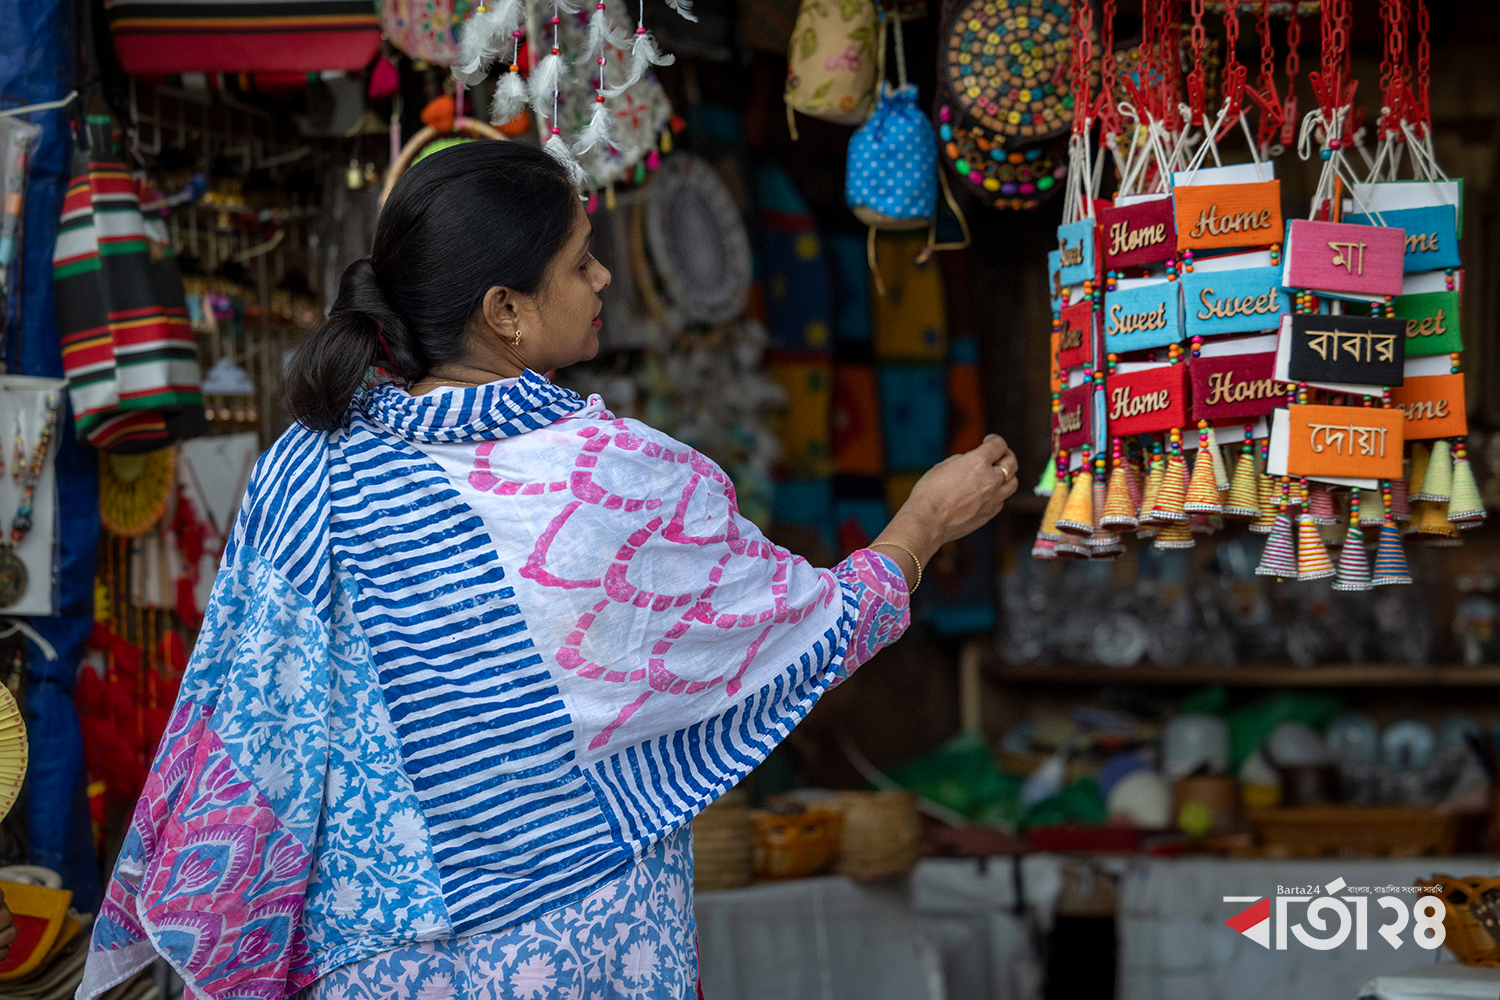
x: 1007, y: 65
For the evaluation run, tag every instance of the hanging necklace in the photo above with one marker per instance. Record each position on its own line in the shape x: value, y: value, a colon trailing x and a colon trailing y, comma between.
x: 13, y: 575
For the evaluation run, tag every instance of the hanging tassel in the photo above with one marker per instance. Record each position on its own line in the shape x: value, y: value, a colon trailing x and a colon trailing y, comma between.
x: 1178, y: 535
x: 1119, y: 511
x: 599, y: 131
x: 1400, y: 505
x: 1203, y: 490
x: 1048, y: 483
x: 1367, y: 502
x: 1434, y: 526
x: 1243, y: 503
x: 1279, y: 557
x: 1354, y: 565
x: 1153, y: 486
x: 1134, y: 485
x: 1312, y: 557
x: 1078, y: 516
x: 1321, y: 505
x: 544, y: 81
x: 684, y: 8
x: 1205, y: 524
x: 510, y: 98
x: 1221, y: 470
x: 643, y: 55
x: 1437, y: 484
x: 559, y: 151
x: 1102, y: 543
x: 483, y: 38
x: 603, y: 35
x: 1418, y: 473
x: 1170, y: 498
x: 1390, y: 559
x: 1466, y: 508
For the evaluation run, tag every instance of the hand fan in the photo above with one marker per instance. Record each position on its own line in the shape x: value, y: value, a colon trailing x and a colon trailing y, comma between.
x: 13, y: 751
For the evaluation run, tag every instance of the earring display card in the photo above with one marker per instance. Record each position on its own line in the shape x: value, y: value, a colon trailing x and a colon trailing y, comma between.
x: 1356, y: 354
x: 1433, y: 405
x: 1076, y: 345
x: 1145, y: 398
x: 24, y: 411
x: 1341, y: 260
x: 1235, y: 293
x: 1141, y: 232
x: 1215, y: 216
x: 1142, y: 313
x: 1430, y: 311
x: 1431, y: 234
x: 1075, y: 248
x: 1334, y: 443
x: 1235, y: 379
x: 1073, y: 425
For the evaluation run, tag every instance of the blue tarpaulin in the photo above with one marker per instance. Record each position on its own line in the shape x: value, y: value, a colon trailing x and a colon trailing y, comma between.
x: 36, y: 65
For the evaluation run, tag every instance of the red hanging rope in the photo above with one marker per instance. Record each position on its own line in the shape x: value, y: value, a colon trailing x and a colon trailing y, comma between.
x: 1196, y: 84
x: 1080, y: 29
x: 1293, y: 66
x: 1234, y: 71
x: 1422, y: 111
x: 1105, y: 109
x: 1264, y: 93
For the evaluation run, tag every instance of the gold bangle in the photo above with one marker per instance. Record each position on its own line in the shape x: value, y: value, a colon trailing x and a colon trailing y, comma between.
x: 903, y: 548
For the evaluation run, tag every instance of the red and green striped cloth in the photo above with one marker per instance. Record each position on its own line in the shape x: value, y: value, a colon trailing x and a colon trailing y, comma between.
x: 128, y: 351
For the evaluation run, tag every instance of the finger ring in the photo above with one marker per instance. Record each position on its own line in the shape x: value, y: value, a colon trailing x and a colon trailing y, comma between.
x: 1005, y: 475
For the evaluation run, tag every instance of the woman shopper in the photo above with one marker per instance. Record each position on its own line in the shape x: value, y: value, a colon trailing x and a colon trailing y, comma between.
x: 478, y: 651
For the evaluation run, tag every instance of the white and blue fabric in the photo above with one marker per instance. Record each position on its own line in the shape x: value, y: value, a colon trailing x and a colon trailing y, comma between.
x: 892, y: 167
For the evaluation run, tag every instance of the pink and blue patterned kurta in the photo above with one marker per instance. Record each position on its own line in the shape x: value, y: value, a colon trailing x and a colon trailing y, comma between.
x: 471, y: 665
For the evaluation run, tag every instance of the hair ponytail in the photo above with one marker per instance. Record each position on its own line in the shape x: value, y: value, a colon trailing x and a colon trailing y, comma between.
x: 458, y: 223
x: 331, y: 365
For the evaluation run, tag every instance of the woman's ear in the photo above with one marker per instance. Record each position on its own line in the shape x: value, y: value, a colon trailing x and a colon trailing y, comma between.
x: 499, y: 311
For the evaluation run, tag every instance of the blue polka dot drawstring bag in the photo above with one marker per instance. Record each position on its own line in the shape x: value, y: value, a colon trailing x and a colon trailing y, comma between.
x: 892, y: 181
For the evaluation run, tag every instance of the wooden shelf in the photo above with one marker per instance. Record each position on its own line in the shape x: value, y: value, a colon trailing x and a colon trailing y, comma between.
x: 1259, y: 675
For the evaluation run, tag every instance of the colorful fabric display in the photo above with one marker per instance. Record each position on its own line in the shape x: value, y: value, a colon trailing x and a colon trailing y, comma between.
x: 911, y: 318
x: 804, y: 427
x: 858, y: 446
x: 913, y: 403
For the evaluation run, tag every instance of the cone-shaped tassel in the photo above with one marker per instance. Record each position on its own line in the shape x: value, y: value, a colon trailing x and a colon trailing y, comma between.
x: 1154, y: 480
x: 1221, y: 469
x: 1048, y: 483
x: 1312, y: 557
x: 1119, y: 512
x: 1321, y: 504
x: 482, y: 38
x: 1465, y: 508
x: 1243, y: 502
x: 1332, y: 535
x: 1044, y: 548
x: 1205, y: 524
x: 1370, y: 515
x: 1417, y: 470
x: 1135, y: 485
x: 1203, y: 491
x: 1434, y: 526
x: 1354, y: 564
x: 1268, y: 507
x: 1168, y: 506
x: 1437, y: 484
x: 1078, y: 516
x: 1055, y: 506
x: 1400, y: 505
x: 1279, y: 557
x: 1390, y: 558
x: 1100, y: 539
x: 1070, y: 547
x: 1177, y: 535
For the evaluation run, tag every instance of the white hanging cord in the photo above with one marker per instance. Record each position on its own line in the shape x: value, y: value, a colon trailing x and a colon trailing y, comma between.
x: 28, y: 109
x: 14, y: 625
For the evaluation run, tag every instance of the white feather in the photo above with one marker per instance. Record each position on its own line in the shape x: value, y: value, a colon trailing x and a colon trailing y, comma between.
x: 602, y: 33
x: 643, y: 55
x: 559, y: 151
x: 683, y: 7
x: 483, y: 38
x: 510, y: 98
x: 598, y: 132
x: 544, y: 84
x: 561, y: 7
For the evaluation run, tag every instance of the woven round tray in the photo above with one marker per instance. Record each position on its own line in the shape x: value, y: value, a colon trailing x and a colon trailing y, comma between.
x: 697, y: 241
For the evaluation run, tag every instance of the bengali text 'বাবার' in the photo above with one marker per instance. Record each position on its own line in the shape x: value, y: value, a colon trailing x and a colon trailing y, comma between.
x: 1361, y: 345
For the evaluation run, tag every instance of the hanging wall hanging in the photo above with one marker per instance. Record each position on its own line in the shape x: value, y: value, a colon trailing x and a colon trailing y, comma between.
x: 222, y: 36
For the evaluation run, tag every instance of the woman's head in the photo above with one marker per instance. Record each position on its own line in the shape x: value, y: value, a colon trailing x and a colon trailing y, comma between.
x: 481, y: 259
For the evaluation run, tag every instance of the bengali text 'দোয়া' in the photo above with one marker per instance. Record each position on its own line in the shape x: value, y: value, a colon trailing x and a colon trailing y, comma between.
x: 1366, y: 439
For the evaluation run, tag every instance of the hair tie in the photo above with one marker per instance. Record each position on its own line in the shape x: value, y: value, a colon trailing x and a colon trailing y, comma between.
x: 380, y: 338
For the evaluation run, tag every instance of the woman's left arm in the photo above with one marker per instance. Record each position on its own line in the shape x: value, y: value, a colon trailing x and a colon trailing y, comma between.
x: 884, y: 606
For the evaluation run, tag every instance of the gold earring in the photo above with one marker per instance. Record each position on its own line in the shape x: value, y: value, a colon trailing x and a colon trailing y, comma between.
x: 517, y: 341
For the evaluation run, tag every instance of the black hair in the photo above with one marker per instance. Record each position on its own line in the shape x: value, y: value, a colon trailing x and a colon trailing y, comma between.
x: 458, y: 223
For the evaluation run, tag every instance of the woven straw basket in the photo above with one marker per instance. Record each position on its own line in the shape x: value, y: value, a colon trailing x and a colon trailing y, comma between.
x: 1472, y: 918
x: 723, y: 846
x: 882, y: 834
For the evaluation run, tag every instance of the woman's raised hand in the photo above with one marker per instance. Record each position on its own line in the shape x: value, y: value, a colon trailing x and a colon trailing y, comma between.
x: 956, y: 496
